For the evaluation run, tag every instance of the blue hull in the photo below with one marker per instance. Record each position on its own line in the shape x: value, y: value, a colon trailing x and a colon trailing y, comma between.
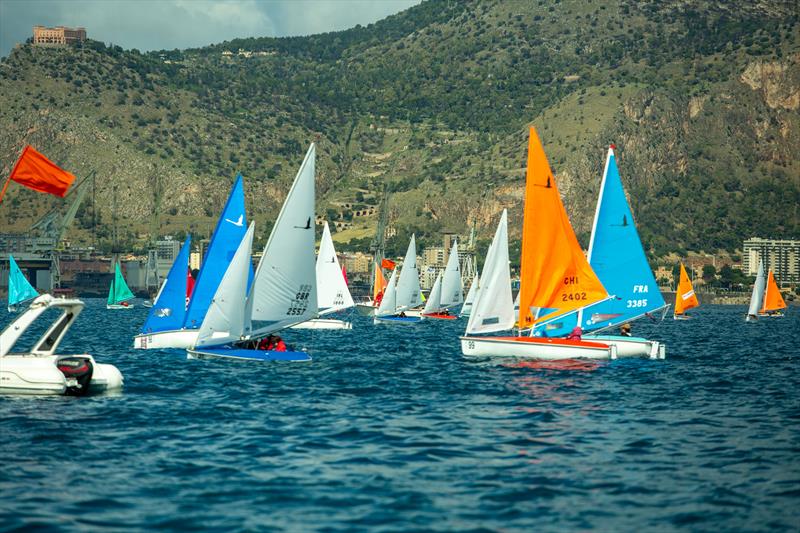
x: 247, y: 355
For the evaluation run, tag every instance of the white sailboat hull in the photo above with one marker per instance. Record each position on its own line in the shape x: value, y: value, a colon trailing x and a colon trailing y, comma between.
x: 631, y: 346
x: 118, y: 306
x: 39, y: 375
x: 535, y: 348
x: 323, y: 323
x: 183, y: 338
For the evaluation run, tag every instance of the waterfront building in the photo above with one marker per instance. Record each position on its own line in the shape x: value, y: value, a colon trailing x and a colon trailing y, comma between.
x: 780, y: 255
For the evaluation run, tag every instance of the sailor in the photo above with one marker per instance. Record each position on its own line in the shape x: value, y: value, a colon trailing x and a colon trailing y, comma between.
x: 378, y: 299
x: 277, y: 344
x: 625, y: 330
x: 575, y: 334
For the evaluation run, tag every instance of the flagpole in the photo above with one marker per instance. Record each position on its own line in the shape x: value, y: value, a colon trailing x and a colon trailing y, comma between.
x: 5, y: 186
x: 8, y: 179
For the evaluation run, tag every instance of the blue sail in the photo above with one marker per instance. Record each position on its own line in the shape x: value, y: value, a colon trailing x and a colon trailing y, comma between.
x: 617, y: 257
x: 169, y: 309
x: 19, y: 288
x: 231, y: 227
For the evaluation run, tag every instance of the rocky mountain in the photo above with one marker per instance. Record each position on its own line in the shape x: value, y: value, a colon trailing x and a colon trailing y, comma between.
x: 702, y: 100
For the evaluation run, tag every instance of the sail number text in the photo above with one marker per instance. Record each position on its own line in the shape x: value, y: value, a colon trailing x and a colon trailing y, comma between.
x: 299, y: 305
x: 636, y: 303
x: 573, y: 297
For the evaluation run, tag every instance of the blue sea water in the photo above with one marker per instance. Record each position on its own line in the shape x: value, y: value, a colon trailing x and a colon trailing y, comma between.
x: 390, y: 428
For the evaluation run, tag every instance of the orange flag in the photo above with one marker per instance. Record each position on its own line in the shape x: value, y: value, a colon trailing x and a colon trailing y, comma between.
x: 387, y: 264
x: 35, y: 171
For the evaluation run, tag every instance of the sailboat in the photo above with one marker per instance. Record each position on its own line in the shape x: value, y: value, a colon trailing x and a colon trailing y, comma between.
x: 39, y: 369
x: 466, y: 309
x: 19, y: 288
x: 617, y: 257
x: 228, y: 233
x: 555, y: 279
x: 685, y: 298
x: 284, y: 288
x: 773, y: 304
x: 118, y: 292
x: 450, y: 291
x: 405, y: 295
x: 332, y: 292
x: 151, y: 282
x: 757, y: 297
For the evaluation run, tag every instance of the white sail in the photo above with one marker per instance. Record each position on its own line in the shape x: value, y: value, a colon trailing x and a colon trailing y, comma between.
x: 452, y: 285
x: 332, y: 292
x: 757, y: 298
x: 433, y: 303
x: 493, y: 309
x: 466, y: 309
x: 225, y: 320
x: 408, y: 290
x: 284, y: 290
x: 389, y: 302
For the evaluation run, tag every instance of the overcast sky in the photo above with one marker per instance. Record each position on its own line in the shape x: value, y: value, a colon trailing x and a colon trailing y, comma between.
x: 168, y: 24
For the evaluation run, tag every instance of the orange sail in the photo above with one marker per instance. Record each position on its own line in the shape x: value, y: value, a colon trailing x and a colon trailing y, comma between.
x: 554, y: 273
x: 380, y: 283
x: 685, y: 298
x: 773, y: 301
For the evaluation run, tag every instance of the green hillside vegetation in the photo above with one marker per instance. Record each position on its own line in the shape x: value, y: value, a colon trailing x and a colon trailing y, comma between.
x: 702, y: 101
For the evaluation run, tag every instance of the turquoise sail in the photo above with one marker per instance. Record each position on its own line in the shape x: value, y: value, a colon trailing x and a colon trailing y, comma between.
x: 231, y: 227
x: 19, y: 288
x: 118, y: 292
x: 618, y: 258
x: 169, y: 309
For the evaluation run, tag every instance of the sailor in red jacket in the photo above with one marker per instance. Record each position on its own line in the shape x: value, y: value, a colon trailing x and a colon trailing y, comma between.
x: 272, y: 343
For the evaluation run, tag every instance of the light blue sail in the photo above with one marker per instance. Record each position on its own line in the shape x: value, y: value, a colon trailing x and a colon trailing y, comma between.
x: 19, y: 288
x: 169, y: 309
x: 231, y: 227
x: 618, y: 258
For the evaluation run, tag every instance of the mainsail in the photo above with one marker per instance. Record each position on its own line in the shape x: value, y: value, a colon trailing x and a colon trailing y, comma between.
x: 408, y: 289
x: 685, y: 298
x: 230, y: 229
x: 19, y: 288
x: 118, y: 292
x: 756, y: 298
x: 169, y: 309
x: 773, y: 301
x: 452, y: 285
x: 332, y: 292
x: 554, y: 274
x: 284, y: 290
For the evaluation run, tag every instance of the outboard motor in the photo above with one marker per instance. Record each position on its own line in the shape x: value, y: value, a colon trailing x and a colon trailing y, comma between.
x: 78, y: 373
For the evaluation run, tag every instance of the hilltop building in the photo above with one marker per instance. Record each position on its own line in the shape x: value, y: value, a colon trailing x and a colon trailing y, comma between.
x: 781, y: 255
x: 58, y: 36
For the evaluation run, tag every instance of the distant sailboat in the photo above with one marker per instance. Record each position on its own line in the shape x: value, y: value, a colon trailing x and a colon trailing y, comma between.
x: 284, y: 288
x: 228, y: 233
x: 757, y: 297
x: 773, y: 301
x: 333, y: 295
x: 407, y: 293
x: 19, y: 288
x: 118, y: 292
x: 449, y: 293
x: 555, y: 278
x: 466, y: 309
x: 685, y: 298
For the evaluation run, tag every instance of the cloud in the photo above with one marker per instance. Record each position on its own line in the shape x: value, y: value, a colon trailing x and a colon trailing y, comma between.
x: 168, y: 24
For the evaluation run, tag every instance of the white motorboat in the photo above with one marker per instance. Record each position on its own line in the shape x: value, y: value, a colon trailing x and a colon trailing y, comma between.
x: 41, y: 370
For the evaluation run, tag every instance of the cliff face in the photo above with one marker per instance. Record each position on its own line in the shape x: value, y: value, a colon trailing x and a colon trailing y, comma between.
x: 701, y: 101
